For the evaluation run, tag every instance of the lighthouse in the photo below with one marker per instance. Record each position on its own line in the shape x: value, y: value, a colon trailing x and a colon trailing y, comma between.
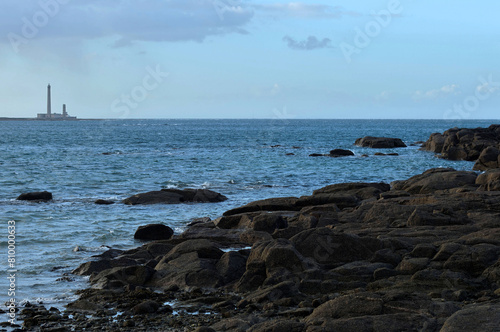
x: 54, y: 116
x: 49, y: 111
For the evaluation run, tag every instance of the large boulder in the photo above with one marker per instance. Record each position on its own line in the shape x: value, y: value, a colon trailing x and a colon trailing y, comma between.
x: 436, y: 179
x: 489, y: 180
x: 489, y: 158
x: 474, y: 318
x: 380, y: 142
x: 279, y: 253
x: 35, y: 196
x: 153, y: 232
x: 192, y: 263
x: 176, y: 196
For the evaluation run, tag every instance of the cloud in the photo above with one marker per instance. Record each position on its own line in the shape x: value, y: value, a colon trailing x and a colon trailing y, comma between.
x: 383, y: 96
x: 311, y: 43
x: 447, y: 90
x: 127, y: 21
x: 487, y: 87
x: 302, y: 10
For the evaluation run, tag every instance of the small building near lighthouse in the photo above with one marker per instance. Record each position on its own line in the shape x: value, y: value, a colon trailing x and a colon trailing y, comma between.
x: 54, y: 116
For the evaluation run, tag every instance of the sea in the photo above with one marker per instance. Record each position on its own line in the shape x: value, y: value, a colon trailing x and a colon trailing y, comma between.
x: 245, y: 160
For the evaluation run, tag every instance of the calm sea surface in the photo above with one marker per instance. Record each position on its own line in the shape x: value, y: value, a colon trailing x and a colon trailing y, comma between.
x: 82, y: 161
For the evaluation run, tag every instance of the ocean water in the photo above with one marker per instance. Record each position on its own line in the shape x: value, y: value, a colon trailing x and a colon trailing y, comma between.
x: 82, y: 161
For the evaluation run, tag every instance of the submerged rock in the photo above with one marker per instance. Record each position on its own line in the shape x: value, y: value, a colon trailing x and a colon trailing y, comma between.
x: 104, y: 202
x: 341, y: 153
x: 380, y: 142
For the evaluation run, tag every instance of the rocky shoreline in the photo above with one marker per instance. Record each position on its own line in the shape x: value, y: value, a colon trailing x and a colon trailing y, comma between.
x: 421, y: 254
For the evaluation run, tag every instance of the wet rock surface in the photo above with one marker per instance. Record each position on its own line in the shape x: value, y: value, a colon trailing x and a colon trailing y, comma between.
x: 422, y: 254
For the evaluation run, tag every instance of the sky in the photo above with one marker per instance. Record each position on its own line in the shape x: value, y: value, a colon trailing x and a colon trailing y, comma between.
x: 391, y: 59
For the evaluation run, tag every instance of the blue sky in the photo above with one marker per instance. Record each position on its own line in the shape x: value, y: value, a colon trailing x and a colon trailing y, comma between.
x: 251, y: 59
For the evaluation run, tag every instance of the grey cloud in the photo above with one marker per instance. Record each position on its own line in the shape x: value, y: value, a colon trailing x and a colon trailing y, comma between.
x: 311, y: 43
x: 129, y: 21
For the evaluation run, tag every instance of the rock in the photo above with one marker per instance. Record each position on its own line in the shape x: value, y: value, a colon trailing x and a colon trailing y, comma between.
x: 271, y: 204
x: 348, y: 306
x: 329, y: 247
x: 412, y: 265
x: 340, y: 153
x: 275, y: 293
x: 435, y: 143
x: 489, y: 158
x: 122, y: 276
x: 268, y: 222
x: 427, y: 250
x: 474, y: 318
x: 279, y: 325
x: 191, y: 263
x: 473, y: 259
x: 197, y: 221
x: 35, y: 196
x: 489, y: 180
x: 276, y: 254
x: 204, y: 329
x: 463, y: 143
x: 378, y: 323
x: 146, y: 307
x: 176, y: 196
x: 427, y: 216
x: 204, y: 248
x: 83, y: 305
x: 350, y: 257
x: 153, y: 232
x: 318, y: 155
x: 380, y: 142
x: 104, y: 202
x: 341, y: 200
x: 436, y: 179
x: 353, y: 188
x: 231, y: 266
